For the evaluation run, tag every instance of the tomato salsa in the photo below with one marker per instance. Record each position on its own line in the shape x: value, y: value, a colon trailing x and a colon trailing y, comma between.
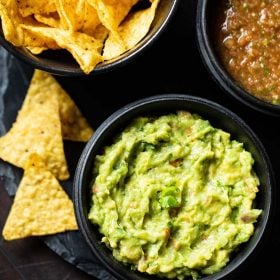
x: 249, y: 46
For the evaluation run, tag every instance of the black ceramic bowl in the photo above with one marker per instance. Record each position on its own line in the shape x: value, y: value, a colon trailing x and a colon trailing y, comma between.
x: 219, y: 117
x: 205, y: 28
x: 62, y: 63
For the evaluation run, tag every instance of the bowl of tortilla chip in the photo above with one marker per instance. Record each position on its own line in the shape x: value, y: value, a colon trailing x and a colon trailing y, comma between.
x: 82, y: 37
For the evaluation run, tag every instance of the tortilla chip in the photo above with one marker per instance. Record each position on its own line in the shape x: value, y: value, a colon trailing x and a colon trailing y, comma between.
x: 68, y: 10
x: 37, y: 130
x: 73, y: 125
x: 11, y: 20
x: 37, y: 40
x: 78, y: 16
x: 32, y: 40
x: 91, y: 20
x: 12, y: 23
x: 112, y: 12
x: 132, y: 31
x: 36, y: 50
x: 30, y: 7
x: 85, y: 49
x: 40, y: 206
x: 51, y: 20
x: 100, y: 33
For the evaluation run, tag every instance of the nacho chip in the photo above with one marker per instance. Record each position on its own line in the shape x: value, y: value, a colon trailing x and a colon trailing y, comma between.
x: 91, y: 20
x: 51, y: 19
x: 41, y: 206
x: 36, y: 50
x: 12, y: 23
x: 11, y: 20
x: 30, y: 7
x: 31, y: 40
x: 100, y: 33
x: 132, y: 31
x: 112, y: 12
x: 77, y: 16
x: 37, y: 130
x: 85, y: 49
x: 73, y: 125
x: 68, y: 11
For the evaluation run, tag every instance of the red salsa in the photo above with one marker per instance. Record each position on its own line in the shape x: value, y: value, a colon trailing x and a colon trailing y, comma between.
x: 249, y: 46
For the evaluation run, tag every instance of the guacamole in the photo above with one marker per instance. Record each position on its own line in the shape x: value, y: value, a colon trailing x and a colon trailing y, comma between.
x: 173, y: 196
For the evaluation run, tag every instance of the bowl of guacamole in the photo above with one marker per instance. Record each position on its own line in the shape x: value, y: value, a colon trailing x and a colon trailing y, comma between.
x: 173, y: 187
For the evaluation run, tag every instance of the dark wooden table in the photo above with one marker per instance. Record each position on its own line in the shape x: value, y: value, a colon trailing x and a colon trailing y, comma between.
x: 30, y: 258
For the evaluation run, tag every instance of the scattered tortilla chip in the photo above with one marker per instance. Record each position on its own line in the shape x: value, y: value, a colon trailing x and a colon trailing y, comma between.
x: 37, y: 130
x: 74, y: 126
x: 40, y: 206
x: 85, y: 49
x: 132, y: 31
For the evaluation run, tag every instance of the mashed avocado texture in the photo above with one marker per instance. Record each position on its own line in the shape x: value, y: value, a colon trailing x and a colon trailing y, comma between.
x: 173, y: 196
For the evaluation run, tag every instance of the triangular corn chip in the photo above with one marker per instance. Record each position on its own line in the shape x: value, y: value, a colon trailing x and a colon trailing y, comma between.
x: 100, y: 33
x: 37, y: 130
x: 51, y: 19
x: 29, y: 7
x: 36, y: 50
x: 74, y: 126
x: 112, y: 12
x: 40, y: 206
x: 84, y: 48
x: 77, y: 16
x: 91, y: 20
x: 12, y: 22
x: 132, y: 30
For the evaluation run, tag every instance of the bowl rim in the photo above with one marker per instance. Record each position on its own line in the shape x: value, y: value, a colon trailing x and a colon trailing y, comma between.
x: 104, y: 67
x: 217, y: 71
x: 130, y: 108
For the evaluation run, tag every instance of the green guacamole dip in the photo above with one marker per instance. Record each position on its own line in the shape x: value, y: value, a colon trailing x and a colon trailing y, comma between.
x: 173, y: 196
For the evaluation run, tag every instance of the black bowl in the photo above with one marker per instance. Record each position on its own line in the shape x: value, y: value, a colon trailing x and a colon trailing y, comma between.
x: 61, y: 62
x: 219, y: 117
x: 206, y: 21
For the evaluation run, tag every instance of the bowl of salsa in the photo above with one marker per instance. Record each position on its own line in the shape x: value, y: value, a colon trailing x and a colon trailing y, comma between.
x: 239, y: 44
